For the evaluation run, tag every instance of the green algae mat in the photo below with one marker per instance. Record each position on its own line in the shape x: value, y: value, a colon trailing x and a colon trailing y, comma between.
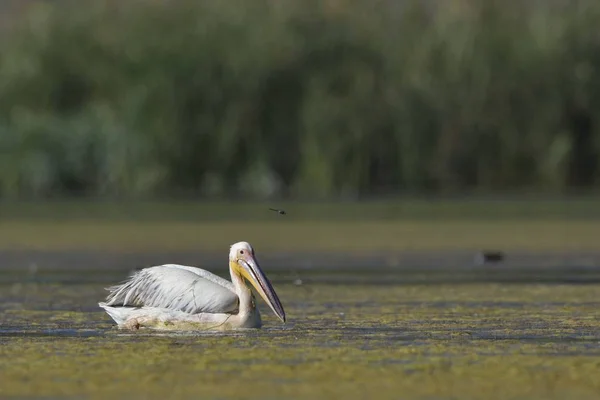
x: 385, y: 226
x: 307, y: 236
x: 356, y: 341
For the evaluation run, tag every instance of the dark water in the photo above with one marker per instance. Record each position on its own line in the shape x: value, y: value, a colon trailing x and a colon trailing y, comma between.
x: 88, y: 266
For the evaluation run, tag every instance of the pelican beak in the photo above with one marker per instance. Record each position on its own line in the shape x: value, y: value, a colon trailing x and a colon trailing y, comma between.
x: 250, y: 269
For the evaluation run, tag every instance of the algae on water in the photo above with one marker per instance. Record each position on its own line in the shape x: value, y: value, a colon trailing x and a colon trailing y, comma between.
x: 437, y: 341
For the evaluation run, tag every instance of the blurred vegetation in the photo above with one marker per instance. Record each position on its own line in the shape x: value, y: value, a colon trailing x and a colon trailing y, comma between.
x: 317, y: 237
x: 533, y: 225
x: 336, y: 98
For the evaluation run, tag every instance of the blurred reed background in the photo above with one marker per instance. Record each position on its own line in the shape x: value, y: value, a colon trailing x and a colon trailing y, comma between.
x: 383, y: 125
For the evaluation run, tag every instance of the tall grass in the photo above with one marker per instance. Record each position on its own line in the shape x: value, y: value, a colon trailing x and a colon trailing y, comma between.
x: 300, y: 98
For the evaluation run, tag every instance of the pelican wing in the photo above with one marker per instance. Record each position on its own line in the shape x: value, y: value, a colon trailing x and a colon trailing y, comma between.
x: 175, y: 287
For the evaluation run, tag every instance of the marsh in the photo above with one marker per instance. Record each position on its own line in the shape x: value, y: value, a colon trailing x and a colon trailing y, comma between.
x: 341, y: 339
x: 394, y: 307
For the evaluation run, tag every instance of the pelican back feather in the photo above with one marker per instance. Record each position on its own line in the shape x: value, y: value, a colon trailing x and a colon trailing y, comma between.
x: 175, y: 287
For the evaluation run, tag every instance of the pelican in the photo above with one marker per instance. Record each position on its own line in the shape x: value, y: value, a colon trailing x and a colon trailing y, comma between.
x: 178, y: 297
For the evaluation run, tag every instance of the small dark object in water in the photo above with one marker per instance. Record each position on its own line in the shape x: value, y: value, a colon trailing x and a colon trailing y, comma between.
x: 486, y: 257
x: 281, y: 212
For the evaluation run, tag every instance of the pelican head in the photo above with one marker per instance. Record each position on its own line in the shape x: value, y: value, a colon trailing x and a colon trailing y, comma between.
x: 243, y: 262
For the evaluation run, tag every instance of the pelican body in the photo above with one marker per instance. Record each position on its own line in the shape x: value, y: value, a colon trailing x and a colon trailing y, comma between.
x: 179, y: 297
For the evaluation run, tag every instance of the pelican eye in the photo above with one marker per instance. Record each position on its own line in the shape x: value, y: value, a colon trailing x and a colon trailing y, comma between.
x: 241, y: 251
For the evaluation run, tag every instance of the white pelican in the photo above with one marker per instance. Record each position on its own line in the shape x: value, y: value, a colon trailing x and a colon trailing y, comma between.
x: 174, y: 297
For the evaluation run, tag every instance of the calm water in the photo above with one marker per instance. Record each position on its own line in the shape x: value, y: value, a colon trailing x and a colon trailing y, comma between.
x: 436, y: 341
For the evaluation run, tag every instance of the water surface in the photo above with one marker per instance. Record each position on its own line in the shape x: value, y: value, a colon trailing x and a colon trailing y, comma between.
x: 359, y: 340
